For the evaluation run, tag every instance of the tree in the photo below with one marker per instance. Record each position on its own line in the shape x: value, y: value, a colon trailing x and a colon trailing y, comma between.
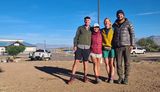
x: 14, y: 50
x: 148, y: 44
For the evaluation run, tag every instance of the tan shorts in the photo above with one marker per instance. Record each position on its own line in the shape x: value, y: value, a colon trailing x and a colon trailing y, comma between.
x: 96, y: 55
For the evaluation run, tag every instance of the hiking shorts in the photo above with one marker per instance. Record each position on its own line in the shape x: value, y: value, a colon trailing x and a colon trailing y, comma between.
x: 96, y: 55
x: 109, y: 53
x: 82, y: 54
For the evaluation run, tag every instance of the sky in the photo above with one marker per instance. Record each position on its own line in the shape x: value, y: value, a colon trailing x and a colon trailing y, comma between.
x: 56, y: 21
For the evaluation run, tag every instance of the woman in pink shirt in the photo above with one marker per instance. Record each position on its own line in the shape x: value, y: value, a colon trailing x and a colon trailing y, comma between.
x: 96, y: 50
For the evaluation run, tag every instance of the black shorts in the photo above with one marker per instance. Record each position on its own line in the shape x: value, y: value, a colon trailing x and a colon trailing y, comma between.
x: 82, y: 54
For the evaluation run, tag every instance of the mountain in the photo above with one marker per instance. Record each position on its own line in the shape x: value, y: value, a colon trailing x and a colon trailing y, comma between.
x: 51, y: 46
x: 156, y: 39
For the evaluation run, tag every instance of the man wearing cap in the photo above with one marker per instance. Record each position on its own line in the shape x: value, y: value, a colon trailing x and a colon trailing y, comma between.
x: 82, y: 42
x: 123, y: 41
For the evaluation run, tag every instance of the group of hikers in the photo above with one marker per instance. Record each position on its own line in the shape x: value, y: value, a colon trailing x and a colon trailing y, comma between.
x: 112, y: 43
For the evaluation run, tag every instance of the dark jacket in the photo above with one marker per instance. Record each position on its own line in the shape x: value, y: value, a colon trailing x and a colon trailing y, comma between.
x: 123, y: 34
x: 83, y: 36
x: 96, y: 42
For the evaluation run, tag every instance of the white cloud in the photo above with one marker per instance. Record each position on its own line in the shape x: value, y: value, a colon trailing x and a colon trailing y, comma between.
x: 21, y: 36
x: 93, y: 15
x: 148, y: 13
x: 10, y: 19
x: 39, y: 38
x: 15, y: 28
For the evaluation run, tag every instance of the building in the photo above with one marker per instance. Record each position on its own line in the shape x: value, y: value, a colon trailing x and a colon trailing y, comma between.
x: 4, y: 43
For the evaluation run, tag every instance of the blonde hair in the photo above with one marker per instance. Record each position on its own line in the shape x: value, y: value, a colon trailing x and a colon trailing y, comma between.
x: 109, y: 21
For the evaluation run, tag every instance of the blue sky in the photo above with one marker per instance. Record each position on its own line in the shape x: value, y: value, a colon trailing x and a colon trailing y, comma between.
x: 56, y: 21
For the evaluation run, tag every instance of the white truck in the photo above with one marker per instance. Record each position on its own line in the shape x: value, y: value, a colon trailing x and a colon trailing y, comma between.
x: 40, y: 55
x: 138, y: 50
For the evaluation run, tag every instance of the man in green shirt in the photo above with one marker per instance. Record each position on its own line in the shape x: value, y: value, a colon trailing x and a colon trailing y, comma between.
x: 82, y: 42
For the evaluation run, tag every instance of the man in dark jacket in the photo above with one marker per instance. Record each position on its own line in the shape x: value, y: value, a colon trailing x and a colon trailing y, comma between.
x: 123, y: 42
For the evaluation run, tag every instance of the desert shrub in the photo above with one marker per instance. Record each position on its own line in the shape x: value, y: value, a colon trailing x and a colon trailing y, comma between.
x: 14, y: 50
x: 148, y: 44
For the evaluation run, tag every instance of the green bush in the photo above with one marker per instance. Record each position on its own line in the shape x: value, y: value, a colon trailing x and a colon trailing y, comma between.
x: 148, y: 44
x: 14, y: 50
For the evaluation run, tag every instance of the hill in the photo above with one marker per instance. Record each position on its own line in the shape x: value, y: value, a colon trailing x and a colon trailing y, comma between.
x: 156, y: 39
x: 51, y: 46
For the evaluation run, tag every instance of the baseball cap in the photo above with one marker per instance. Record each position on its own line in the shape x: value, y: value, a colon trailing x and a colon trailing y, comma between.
x: 96, y: 25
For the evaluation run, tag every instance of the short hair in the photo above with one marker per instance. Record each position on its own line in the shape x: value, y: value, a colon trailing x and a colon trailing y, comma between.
x: 87, y: 17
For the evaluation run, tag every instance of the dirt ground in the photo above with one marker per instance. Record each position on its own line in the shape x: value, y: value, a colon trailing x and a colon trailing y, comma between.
x: 51, y: 76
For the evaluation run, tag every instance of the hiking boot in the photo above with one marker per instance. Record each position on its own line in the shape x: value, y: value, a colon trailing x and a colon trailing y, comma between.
x: 125, y: 81
x: 85, y: 79
x: 71, y: 79
x: 120, y: 80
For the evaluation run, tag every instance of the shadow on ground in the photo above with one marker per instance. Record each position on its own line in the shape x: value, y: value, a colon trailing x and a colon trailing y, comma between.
x: 57, y: 72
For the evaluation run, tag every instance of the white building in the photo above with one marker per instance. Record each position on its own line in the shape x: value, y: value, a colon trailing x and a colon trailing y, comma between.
x: 4, y: 43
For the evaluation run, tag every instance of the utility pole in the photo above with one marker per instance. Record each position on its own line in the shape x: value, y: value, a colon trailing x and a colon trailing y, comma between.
x: 98, y: 11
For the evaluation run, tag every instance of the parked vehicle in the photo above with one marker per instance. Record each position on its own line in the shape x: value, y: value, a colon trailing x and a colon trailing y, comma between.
x: 40, y: 55
x: 138, y: 50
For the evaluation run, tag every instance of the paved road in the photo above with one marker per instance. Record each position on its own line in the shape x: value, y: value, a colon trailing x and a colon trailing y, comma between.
x: 150, y: 56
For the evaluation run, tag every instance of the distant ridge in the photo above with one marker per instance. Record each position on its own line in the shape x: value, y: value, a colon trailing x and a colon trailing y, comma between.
x: 51, y: 46
x: 156, y: 39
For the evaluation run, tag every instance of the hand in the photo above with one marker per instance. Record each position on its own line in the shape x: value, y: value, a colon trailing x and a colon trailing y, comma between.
x: 131, y: 48
x: 107, y: 48
x: 74, y: 48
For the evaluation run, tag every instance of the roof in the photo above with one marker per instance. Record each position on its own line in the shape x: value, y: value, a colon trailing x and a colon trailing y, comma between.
x: 3, y: 44
x: 7, y: 43
x: 28, y: 44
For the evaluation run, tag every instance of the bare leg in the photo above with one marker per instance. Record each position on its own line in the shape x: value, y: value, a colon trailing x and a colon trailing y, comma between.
x: 85, y: 64
x: 94, y: 60
x: 74, y: 67
x: 106, y: 61
x: 98, y: 66
x: 112, y: 67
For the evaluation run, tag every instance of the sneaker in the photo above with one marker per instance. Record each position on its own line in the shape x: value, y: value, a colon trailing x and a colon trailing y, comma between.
x: 125, y: 81
x: 97, y: 80
x: 71, y: 79
x: 110, y: 81
x: 120, y: 80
